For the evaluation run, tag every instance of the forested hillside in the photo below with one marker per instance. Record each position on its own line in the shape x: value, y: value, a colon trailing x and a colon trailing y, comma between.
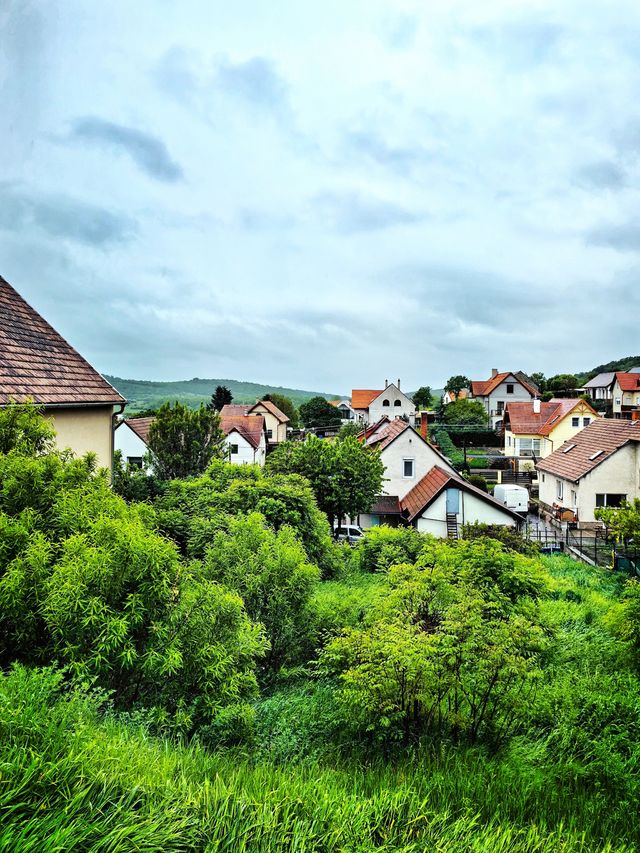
x: 620, y: 364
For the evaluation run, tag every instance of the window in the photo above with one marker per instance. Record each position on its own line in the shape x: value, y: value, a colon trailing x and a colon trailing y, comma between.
x: 595, y: 455
x: 529, y: 447
x: 510, y: 388
x: 385, y: 403
x: 559, y: 489
x: 269, y: 433
x: 586, y: 421
x: 135, y: 461
x: 543, y: 479
x: 575, y: 422
x: 407, y: 468
x: 500, y: 406
x: 569, y: 448
x: 234, y: 449
x: 508, y: 441
x: 397, y: 402
x: 612, y: 500
x: 574, y: 498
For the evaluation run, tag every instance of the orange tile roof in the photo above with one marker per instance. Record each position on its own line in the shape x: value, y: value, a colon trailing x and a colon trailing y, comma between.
x: 37, y: 363
x: 589, y: 448
x: 522, y: 420
x: 628, y: 381
x: 140, y: 426
x: 483, y: 389
x: 273, y: 409
x: 383, y: 437
x: 249, y: 426
x: 362, y: 398
x: 233, y: 410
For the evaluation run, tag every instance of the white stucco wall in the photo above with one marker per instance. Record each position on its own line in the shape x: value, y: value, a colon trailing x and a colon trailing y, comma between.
x: 128, y: 443
x: 619, y: 474
x: 499, y: 394
x: 278, y: 430
x: 472, y: 509
x: 246, y: 454
x: 624, y: 398
x: 408, y: 445
x: 393, y: 395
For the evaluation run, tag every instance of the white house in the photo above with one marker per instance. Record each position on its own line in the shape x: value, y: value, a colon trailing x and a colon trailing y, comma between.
x: 275, y: 420
x: 422, y: 488
x: 600, y: 466
x: 600, y: 387
x: 246, y: 439
x: 130, y: 438
x: 626, y: 394
x: 347, y: 413
x: 500, y: 389
x: 535, y: 429
x: 371, y: 405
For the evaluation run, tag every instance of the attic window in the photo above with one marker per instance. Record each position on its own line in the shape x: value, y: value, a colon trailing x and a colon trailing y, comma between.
x: 397, y: 402
x: 385, y: 403
x: 595, y: 455
x: 570, y: 447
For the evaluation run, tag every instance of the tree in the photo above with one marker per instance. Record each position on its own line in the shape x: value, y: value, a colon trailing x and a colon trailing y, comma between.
x: 456, y: 383
x: 466, y: 413
x: 623, y: 522
x: 345, y: 475
x: 352, y: 429
x: 317, y: 412
x: 183, y: 441
x: 539, y: 379
x: 562, y: 382
x: 23, y: 430
x: 220, y: 397
x: 422, y: 397
x: 286, y: 406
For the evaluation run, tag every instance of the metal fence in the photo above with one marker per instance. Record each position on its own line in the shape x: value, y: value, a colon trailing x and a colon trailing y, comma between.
x: 592, y: 546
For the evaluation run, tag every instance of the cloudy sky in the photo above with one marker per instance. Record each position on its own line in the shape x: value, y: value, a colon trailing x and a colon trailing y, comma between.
x: 324, y: 195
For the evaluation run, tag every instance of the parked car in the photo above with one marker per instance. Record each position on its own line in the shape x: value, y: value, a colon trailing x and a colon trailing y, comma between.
x: 350, y: 533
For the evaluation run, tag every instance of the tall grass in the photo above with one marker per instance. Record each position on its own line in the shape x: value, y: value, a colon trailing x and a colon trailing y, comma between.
x: 70, y: 780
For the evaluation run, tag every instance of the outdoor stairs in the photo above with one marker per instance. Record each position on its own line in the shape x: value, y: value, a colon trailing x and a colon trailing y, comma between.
x: 452, y: 526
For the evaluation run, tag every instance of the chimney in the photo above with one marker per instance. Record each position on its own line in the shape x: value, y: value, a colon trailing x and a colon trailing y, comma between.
x: 424, y: 425
x: 494, y: 372
x: 398, y: 384
x: 386, y: 383
x: 536, y: 405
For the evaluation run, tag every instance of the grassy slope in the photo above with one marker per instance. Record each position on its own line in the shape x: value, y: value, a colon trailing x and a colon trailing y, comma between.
x: 143, y: 394
x: 71, y: 781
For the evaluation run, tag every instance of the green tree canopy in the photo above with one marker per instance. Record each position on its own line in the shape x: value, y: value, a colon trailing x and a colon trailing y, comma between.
x: 24, y: 430
x: 345, y: 475
x: 317, y: 412
x: 222, y: 396
x: 422, y: 397
x: 183, y: 441
x: 466, y: 413
x: 561, y: 382
x: 540, y: 380
x: 457, y: 383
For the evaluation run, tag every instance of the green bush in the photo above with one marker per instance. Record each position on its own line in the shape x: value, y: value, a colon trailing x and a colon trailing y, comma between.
x: 384, y: 546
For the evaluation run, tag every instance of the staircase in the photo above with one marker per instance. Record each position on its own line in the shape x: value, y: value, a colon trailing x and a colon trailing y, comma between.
x: 452, y: 525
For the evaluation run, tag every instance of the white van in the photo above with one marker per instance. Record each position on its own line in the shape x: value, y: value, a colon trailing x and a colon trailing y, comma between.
x: 513, y: 497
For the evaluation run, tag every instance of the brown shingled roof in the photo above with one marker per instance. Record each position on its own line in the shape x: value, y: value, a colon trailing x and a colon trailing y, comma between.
x: 249, y: 426
x: 483, y: 389
x: 233, y: 410
x: 271, y: 407
x: 522, y: 420
x: 389, y: 433
x: 140, y: 426
x: 37, y: 363
x: 589, y: 448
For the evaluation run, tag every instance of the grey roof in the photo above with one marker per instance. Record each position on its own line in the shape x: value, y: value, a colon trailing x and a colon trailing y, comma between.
x: 602, y: 380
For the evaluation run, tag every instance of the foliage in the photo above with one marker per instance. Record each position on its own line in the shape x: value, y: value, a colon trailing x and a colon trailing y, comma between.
x: 539, y: 380
x: 23, y: 430
x: 467, y: 413
x: 385, y: 546
x: 286, y: 406
x: 271, y: 573
x: 133, y: 483
x: 349, y: 430
x: 182, y: 441
x: 561, y: 382
x: 508, y: 536
x: 317, y: 412
x: 455, y: 646
x: 478, y: 481
x: 345, y: 475
x: 624, y: 522
x: 447, y: 447
x: 220, y: 397
x: 456, y: 383
x: 423, y: 397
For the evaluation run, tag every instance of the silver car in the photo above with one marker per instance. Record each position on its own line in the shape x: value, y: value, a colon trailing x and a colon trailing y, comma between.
x: 350, y: 533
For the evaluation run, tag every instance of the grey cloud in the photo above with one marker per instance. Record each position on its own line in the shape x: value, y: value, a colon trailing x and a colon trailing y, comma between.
x: 623, y: 238
x: 520, y: 44
x: 255, y: 81
x: 602, y: 174
x: 148, y: 152
x: 62, y: 216
x: 351, y: 212
x: 372, y: 146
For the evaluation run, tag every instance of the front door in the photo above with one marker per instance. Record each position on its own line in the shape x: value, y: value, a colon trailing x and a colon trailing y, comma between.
x: 453, y: 501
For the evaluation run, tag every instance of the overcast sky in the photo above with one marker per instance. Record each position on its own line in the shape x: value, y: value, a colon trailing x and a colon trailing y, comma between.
x: 325, y: 195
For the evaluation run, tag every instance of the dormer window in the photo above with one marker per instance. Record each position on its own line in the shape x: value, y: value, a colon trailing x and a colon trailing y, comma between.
x: 385, y: 403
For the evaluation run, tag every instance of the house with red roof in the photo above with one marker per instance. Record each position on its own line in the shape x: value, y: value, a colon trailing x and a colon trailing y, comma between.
x: 533, y: 430
x: 499, y: 390
x: 626, y: 394
x: 369, y: 405
x: 245, y: 438
x: 131, y: 439
x: 38, y: 364
x: 275, y: 421
x: 423, y: 489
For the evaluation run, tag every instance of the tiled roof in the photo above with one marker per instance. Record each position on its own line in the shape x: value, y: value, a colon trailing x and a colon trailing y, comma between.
x: 432, y: 484
x: 386, y: 505
x: 362, y: 398
x: 273, y: 409
x: 383, y: 437
x: 483, y: 389
x: 36, y: 362
x: 628, y: 381
x: 522, y: 420
x: 589, y: 448
x: 249, y: 426
x: 140, y: 426
x: 233, y: 410
x: 367, y: 432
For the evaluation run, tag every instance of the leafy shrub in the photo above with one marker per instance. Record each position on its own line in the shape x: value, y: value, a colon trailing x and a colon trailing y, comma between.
x: 384, y: 546
x: 509, y: 536
x: 478, y: 481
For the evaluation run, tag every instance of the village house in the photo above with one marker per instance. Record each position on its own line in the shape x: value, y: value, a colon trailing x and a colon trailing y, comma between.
x: 533, y: 430
x: 275, y: 421
x: 131, y: 439
x: 371, y: 405
x: 598, y: 467
x: 245, y: 439
x: 500, y: 389
x: 454, y: 396
x: 423, y: 489
x: 626, y: 394
x: 600, y: 388
x: 37, y: 364
x: 347, y: 413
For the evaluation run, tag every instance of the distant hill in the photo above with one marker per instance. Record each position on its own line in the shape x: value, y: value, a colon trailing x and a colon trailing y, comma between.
x: 144, y: 394
x: 622, y: 365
